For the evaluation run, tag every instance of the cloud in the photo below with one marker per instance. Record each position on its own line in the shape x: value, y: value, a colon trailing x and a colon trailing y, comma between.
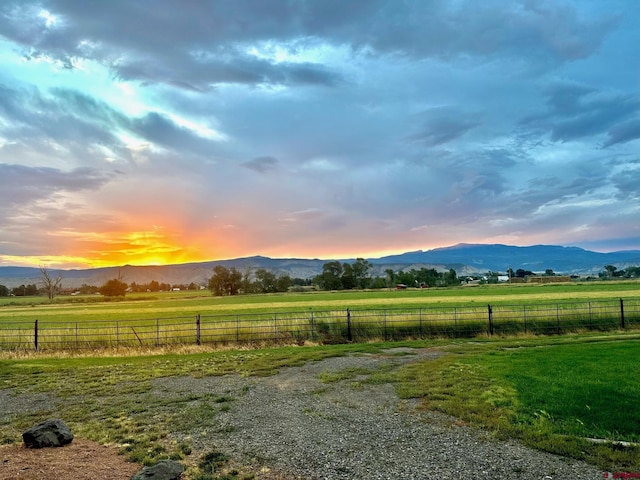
x: 20, y: 184
x: 441, y: 125
x: 209, y: 40
x: 623, y: 132
x: 627, y: 183
x: 80, y: 123
x: 212, y: 49
x: 37, y: 201
x: 262, y: 164
x: 161, y: 131
x: 578, y: 111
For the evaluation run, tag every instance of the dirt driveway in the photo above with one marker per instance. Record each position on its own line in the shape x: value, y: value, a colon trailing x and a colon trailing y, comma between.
x: 318, y: 421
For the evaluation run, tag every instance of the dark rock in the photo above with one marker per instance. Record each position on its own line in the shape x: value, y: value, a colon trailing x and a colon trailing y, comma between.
x: 50, y: 433
x: 163, y: 470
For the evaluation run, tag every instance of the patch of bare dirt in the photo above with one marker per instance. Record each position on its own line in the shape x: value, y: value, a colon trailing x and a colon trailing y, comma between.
x: 80, y: 460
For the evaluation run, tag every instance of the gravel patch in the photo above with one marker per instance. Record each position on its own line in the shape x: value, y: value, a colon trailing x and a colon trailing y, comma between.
x: 301, y: 428
x: 12, y: 404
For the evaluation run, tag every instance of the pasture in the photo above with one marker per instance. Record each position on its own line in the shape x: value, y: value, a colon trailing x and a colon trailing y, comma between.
x: 163, y: 319
x: 190, y: 303
x: 182, y: 318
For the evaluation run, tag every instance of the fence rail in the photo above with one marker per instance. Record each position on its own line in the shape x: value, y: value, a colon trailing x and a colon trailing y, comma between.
x: 334, y: 326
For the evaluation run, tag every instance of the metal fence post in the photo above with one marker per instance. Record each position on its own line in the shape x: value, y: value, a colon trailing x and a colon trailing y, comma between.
x: 313, y: 331
x: 35, y: 335
x: 275, y: 326
x: 349, y: 325
x: 157, y: 333
x: 490, y: 311
x: 198, y: 329
x: 385, y: 325
x: 621, y: 314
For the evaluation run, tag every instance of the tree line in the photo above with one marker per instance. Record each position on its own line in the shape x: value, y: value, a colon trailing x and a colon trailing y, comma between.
x: 335, y: 276
x: 230, y: 281
x: 112, y: 288
x: 611, y: 271
x: 20, y: 291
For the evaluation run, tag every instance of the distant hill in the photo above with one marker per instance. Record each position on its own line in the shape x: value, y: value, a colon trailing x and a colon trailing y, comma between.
x: 537, y: 258
x: 465, y: 259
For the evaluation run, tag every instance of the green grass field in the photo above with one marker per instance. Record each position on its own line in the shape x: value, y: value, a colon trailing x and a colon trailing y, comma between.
x: 136, y: 306
x: 547, y: 392
x: 141, y: 320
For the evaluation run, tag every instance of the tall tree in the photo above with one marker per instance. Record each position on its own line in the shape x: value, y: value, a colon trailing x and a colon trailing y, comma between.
x: 50, y: 284
x: 114, y: 288
x: 266, y: 281
x: 225, y: 281
x: 390, y: 277
x: 361, y: 275
x: 283, y: 283
x: 330, y: 279
x: 451, y: 278
x: 611, y: 270
x: 347, y: 279
x: 521, y: 273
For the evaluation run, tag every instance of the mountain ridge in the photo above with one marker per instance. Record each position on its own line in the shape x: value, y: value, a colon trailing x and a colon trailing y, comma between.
x: 465, y: 258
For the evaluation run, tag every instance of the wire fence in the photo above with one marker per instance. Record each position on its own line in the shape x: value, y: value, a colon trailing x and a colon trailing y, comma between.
x: 325, y: 327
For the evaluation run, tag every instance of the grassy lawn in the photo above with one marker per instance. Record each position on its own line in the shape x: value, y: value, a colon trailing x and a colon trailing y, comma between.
x: 548, y: 392
x: 595, y: 393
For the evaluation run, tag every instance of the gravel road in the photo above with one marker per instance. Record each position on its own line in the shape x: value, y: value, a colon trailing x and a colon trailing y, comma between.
x: 302, y: 428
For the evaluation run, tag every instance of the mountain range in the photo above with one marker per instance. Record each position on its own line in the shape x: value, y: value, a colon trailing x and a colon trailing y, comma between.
x: 465, y: 259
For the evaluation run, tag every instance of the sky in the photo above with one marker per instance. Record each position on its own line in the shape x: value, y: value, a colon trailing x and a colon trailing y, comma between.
x: 155, y: 131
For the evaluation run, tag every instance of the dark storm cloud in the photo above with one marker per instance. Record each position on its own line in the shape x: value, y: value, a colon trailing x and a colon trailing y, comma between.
x: 76, y: 121
x: 20, y: 184
x: 577, y: 111
x: 160, y: 130
x: 236, y: 68
x: 157, y: 42
x: 627, y: 182
x: 63, y: 116
x: 624, y: 132
x: 262, y: 164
